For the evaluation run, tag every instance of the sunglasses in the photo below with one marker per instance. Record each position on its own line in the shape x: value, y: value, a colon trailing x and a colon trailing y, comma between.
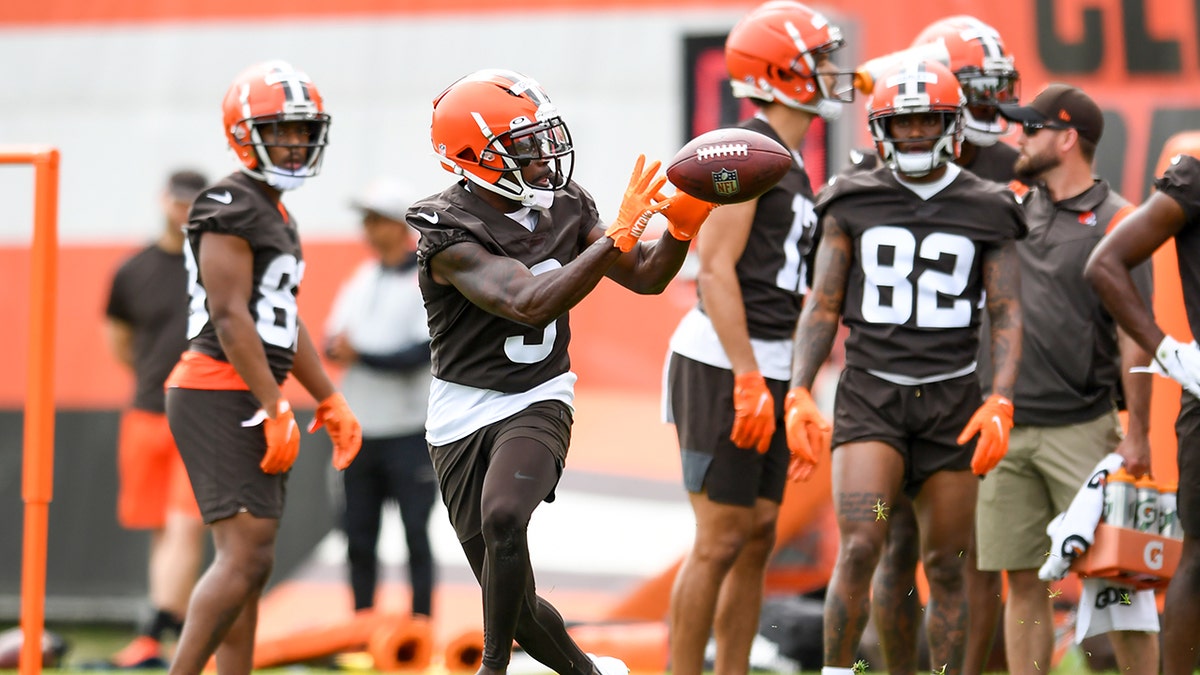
x: 1031, y: 128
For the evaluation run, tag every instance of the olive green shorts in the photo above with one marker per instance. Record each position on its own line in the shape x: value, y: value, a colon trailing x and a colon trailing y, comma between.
x: 1036, y: 480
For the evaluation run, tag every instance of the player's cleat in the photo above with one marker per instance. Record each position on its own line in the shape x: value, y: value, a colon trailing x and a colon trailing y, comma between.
x: 143, y: 652
x: 609, y: 665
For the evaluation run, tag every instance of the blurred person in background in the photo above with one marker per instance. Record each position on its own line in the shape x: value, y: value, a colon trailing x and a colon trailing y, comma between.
x: 236, y: 430
x: 377, y: 330
x: 147, y: 325
x: 731, y: 355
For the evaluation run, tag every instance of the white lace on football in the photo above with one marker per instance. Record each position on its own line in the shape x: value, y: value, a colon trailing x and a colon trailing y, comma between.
x: 723, y: 150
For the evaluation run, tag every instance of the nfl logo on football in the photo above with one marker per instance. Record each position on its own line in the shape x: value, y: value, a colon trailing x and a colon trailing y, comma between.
x: 725, y: 182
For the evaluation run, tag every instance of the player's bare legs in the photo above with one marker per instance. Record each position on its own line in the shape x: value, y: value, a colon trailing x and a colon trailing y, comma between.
x: 719, y: 586
x: 1181, y: 616
x: 866, y: 479
x: 896, y: 606
x: 1136, y: 651
x: 175, y: 555
x: 895, y: 603
x: 984, y: 609
x: 1028, y: 624
x: 245, y: 553
x: 236, y: 652
x: 945, y: 515
x: 740, y: 601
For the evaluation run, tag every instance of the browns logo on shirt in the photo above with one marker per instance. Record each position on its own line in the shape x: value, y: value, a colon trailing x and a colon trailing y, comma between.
x: 471, y: 346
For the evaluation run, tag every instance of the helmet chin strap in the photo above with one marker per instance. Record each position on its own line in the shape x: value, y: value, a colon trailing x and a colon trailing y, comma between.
x: 915, y: 164
x: 542, y: 199
x: 528, y: 196
x: 982, y: 134
x: 285, y: 181
x: 830, y: 110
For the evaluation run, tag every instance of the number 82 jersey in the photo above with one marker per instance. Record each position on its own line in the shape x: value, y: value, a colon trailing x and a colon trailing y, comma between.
x: 915, y: 283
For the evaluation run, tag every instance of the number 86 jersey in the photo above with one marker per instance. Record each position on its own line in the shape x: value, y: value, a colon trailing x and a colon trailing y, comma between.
x: 238, y: 206
x: 914, y: 287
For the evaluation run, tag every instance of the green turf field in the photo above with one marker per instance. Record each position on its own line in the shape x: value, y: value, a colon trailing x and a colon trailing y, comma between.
x: 90, y: 643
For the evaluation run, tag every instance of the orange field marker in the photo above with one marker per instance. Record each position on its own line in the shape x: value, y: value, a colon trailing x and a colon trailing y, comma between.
x: 37, y: 477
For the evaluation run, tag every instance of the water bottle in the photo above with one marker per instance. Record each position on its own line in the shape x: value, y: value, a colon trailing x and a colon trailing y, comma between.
x: 1168, y: 512
x: 1146, y: 517
x: 1119, y: 499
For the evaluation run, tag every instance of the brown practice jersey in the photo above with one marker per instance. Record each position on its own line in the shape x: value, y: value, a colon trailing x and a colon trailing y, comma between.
x: 1070, y: 359
x: 776, y: 267
x: 1181, y: 182
x: 915, y: 282
x: 149, y: 294
x: 471, y: 346
x: 991, y: 162
x: 237, y: 206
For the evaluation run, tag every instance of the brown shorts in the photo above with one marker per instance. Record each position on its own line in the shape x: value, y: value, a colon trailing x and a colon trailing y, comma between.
x: 152, y: 478
x: 921, y: 422
x: 462, y: 465
x: 1187, y: 430
x: 700, y: 400
x: 222, y: 457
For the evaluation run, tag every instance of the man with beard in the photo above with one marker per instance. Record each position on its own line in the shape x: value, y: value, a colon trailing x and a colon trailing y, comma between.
x: 1075, y: 362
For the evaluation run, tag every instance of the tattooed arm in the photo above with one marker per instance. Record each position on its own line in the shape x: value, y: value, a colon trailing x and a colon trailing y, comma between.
x: 506, y: 287
x: 1002, y: 281
x: 823, y: 305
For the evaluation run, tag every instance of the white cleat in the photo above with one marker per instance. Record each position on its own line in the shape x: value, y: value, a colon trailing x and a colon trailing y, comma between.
x: 609, y: 665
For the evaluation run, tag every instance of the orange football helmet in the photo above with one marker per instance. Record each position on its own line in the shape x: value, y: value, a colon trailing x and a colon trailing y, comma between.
x: 773, y: 54
x: 984, y: 69
x: 266, y: 95
x: 491, y: 124
x: 912, y: 88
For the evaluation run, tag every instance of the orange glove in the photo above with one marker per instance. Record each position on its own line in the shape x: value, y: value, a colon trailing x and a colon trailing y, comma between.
x: 992, y: 422
x: 753, y: 412
x: 808, y: 434
x: 637, y: 206
x: 283, y: 439
x: 344, y: 430
x: 685, y: 214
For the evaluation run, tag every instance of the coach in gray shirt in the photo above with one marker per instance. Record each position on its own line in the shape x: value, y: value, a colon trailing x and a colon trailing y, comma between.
x: 1074, y: 365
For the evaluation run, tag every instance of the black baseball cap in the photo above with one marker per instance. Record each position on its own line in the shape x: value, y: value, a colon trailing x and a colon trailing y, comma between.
x: 1060, y: 106
x: 185, y: 184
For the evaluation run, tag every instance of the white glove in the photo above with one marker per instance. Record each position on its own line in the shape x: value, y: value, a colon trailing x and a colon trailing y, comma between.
x: 1180, y: 362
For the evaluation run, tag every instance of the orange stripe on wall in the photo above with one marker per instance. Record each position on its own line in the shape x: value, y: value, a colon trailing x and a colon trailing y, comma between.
x: 122, y: 11
x: 620, y: 339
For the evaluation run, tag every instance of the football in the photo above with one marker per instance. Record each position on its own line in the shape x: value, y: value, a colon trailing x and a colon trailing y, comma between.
x: 727, y: 166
